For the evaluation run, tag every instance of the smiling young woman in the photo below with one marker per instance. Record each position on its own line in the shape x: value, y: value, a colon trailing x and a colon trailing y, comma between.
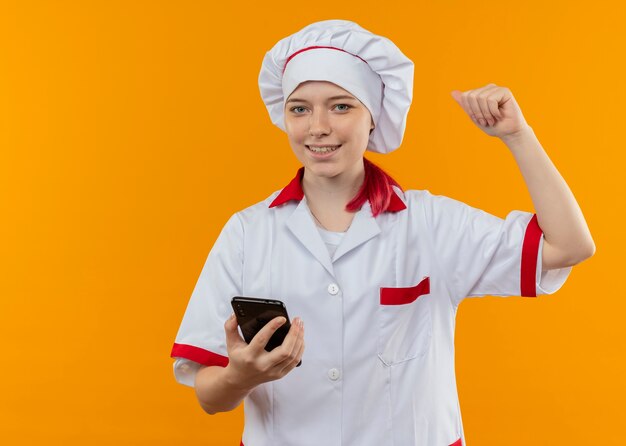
x: 377, y: 272
x: 329, y: 130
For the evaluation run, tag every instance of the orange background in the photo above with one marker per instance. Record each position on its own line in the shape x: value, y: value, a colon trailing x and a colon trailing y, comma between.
x: 131, y: 130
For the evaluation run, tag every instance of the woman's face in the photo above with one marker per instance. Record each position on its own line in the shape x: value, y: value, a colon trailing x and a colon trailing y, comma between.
x: 328, y: 128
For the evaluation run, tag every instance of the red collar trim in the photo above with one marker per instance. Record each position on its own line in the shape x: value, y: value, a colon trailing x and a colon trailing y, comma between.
x: 396, y: 204
x: 293, y: 191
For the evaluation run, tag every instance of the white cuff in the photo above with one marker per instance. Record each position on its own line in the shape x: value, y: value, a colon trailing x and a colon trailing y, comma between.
x: 548, y: 282
x: 185, y: 371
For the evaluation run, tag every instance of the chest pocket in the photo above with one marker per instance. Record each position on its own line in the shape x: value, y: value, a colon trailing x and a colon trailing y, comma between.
x: 405, y: 325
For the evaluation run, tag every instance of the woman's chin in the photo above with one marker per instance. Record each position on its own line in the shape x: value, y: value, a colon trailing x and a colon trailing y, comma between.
x: 323, y: 171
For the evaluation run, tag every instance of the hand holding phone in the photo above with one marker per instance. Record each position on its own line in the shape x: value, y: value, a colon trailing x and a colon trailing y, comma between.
x: 254, y: 313
x: 250, y: 366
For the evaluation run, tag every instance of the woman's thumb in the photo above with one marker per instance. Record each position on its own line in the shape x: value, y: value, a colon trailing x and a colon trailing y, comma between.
x: 456, y: 95
x: 232, y: 334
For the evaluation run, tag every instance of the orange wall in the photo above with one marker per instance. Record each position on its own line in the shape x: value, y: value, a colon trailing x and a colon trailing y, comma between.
x: 131, y: 130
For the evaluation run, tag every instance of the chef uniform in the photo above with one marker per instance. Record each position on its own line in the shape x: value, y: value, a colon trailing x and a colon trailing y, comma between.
x: 379, y: 301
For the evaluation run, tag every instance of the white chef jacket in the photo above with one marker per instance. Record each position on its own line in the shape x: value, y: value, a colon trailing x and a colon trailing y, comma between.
x: 378, y: 367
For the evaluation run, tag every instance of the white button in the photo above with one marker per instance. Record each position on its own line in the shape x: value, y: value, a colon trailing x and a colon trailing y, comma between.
x: 333, y: 374
x: 333, y: 289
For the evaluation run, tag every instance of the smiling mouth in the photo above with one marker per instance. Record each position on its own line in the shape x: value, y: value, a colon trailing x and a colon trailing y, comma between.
x: 323, y: 150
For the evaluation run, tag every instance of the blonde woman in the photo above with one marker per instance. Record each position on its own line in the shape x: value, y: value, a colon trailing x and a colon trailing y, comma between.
x: 374, y: 272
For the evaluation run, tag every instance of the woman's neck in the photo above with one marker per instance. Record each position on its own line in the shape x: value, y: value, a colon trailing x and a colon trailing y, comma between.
x: 327, y: 197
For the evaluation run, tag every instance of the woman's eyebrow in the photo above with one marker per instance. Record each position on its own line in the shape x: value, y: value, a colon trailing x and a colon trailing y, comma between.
x: 330, y: 99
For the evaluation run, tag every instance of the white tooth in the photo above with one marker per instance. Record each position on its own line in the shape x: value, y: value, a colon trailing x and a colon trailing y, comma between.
x: 323, y: 149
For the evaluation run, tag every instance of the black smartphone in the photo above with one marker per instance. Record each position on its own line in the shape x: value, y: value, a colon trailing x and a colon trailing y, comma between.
x: 253, y: 313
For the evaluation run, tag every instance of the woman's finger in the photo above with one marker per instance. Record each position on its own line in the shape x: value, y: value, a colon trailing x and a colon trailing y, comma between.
x: 476, y: 113
x: 299, y: 355
x: 295, y: 334
x: 283, y: 353
x: 493, y: 101
x: 299, y: 342
x: 260, y: 340
x: 482, y: 98
x: 233, y: 338
x: 466, y: 106
x: 290, y: 365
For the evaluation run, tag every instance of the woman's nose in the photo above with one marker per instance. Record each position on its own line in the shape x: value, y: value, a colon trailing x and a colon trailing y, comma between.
x: 319, y: 124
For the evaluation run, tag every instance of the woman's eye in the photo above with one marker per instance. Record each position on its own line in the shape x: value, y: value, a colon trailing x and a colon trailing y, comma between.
x: 297, y: 110
x: 343, y: 107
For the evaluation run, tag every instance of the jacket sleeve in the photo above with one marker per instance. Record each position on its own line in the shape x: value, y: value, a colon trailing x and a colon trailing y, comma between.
x: 201, y: 339
x: 481, y: 254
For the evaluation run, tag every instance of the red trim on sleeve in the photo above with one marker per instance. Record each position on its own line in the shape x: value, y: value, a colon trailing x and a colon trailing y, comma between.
x: 199, y: 355
x: 530, y: 251
x: 401, y: 296
x: 457, y: 443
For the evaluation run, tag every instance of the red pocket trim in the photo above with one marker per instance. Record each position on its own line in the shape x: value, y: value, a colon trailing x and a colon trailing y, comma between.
x: 401, y: 296
x: 457, y: 443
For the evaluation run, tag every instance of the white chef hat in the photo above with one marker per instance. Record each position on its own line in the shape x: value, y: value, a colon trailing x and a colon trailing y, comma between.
x: 370, y: 67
